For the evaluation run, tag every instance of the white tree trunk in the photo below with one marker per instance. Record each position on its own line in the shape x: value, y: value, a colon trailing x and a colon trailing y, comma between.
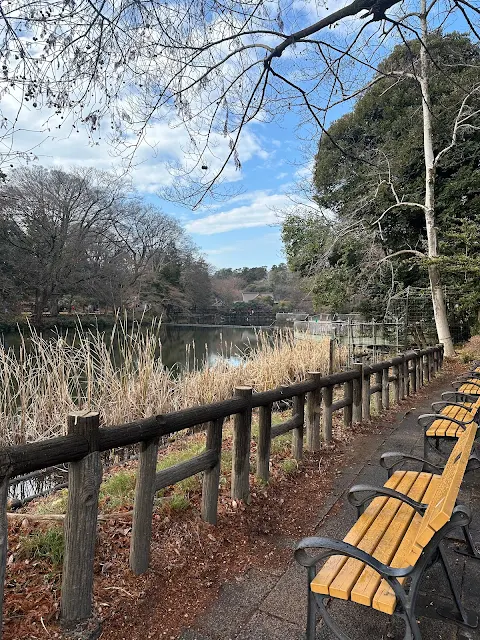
x: 438, y: 298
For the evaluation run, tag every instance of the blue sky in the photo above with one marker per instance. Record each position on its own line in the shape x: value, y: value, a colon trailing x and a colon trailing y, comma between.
x: 240, y: 231
x: 243, y: 230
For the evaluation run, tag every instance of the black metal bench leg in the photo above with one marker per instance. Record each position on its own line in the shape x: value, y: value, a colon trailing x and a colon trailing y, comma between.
x: 457, y: 613
x: 412, y: 630
x: 312, y: 607
x: 472, y: 551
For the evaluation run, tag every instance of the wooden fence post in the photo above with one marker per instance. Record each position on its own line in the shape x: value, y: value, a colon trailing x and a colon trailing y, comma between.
x: 426, y: 372
x: 327, y: 395
x: 418, y: 369
x: 403, y: 381
x: 435, y: 362
x: 3, y: 542
x: 242, y: 430
x: 378, y: 394
x: 348, y: 408
x: 297, y: 435
x: 396, y: 383
x: 366, y: 393
x: 211, y: 477
x: 412, y: 370
x: 406, y: 377
x: 357, y: 393
x: 264, y: 442
x: 143, y: 507
x: 314, y: 400
x: 440, y: 355
x: 331, y: 355
x: 386, y: 388
x: 84, y: 478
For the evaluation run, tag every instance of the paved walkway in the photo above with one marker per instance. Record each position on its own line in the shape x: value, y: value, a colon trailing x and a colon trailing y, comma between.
x: 271, y: 605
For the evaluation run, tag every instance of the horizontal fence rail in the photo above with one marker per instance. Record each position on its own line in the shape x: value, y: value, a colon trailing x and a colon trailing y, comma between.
x: 314, y: 401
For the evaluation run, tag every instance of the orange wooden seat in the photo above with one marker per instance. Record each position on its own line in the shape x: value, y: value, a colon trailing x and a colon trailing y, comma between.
x: 392, y: 532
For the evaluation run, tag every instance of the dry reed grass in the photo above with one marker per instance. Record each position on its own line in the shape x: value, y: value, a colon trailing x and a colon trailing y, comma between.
x: 123, y: 377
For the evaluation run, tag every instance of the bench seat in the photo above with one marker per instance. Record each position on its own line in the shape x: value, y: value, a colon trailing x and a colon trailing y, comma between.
x: 441, y: 428
x: 469, y: 388
x: 386, y: 530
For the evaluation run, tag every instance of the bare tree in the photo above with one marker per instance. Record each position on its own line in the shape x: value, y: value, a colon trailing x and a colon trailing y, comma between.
x: 209, y: 68
x: 143, y: 237
x: 53, y: 217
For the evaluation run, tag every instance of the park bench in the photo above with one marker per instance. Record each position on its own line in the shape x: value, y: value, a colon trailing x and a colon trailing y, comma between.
x: 447, y: 422
x: 452, y: 413
x: 469, y: 385
x: 396, y: 537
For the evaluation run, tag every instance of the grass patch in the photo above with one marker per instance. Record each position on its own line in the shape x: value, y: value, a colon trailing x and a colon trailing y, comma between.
x: 54, y: 504
x: 117, y: 491
x: 281, y: 444
x: 289, y: 466
x: 178, y: 502
x: 176, y: 457
x: 47, y: 544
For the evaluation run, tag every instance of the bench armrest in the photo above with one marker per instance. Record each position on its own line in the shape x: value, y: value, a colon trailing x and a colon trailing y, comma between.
x: 457, y: 396
x: 338, y: 547
x: 441, y: 404
x: 373, y: 492
x: 387, y: 461
x: 456, y: 384
x: 426, y: 419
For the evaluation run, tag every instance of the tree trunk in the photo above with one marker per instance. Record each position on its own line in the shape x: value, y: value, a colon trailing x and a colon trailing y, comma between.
x: 41, y: 299
x: 438, y: 299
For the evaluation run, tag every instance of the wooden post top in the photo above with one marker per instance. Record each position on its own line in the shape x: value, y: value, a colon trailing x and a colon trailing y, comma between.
x: 85, y: 413
x: 243, y: 390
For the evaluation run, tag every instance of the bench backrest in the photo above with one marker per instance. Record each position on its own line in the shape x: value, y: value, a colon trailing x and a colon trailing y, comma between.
x: 439, y: 510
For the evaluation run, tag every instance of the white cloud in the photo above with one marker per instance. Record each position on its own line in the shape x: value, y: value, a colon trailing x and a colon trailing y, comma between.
x: 163, y: 144
x: 221, y: 250
x: 262, y: 210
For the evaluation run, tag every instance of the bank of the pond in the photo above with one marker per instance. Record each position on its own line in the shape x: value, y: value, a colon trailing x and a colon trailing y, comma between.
x: 124, y: 377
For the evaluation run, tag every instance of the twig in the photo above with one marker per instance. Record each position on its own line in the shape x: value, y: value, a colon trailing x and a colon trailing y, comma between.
x: 60, y: 517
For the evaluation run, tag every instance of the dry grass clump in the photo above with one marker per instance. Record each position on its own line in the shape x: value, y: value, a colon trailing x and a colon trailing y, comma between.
x: 123, y: 377
x: 471, y: 350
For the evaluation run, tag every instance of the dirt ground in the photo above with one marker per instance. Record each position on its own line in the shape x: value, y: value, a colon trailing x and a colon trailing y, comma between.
x: 190, y: 559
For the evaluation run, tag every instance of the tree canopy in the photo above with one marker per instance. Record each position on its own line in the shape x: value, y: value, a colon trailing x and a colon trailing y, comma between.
x: 371, y: 159
x: 76, y: 238
x: 207, y: 68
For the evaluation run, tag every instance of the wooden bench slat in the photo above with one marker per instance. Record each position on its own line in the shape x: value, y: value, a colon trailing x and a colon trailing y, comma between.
x: 442, y: 428
x: 385, y: 599
x: 349, y: 573
x: 469, y: 388
x: 368, y: 582
x: 332, y: 566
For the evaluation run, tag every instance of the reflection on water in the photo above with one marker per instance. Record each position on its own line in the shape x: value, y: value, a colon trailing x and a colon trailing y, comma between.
x: 184, y: 346
x: 193, y: 346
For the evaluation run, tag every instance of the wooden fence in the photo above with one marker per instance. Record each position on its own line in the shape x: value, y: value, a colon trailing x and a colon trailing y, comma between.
x: 313, y: 408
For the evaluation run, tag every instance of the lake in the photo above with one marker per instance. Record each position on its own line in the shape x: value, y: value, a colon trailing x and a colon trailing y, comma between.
x: 187, y: 346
